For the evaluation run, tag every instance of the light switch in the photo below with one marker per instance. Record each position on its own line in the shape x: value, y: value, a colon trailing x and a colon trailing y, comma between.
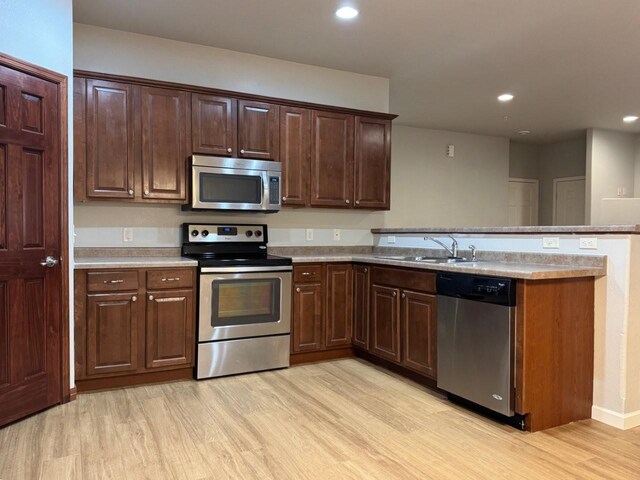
x: 127, y: 234
x: 309, y: 234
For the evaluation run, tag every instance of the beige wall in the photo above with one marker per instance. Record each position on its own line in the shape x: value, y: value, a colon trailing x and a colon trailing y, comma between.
x: 523, y: 160
x: 428, y: 188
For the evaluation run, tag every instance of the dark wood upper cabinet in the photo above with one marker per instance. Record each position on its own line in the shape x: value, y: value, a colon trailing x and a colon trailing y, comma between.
x: 385, y: 323
x: 258, y: 130
x: 372, y: 163
x: 307, y: 325
x: 170, y: 336
x: 338, y: 304
x: 165, y: 130
x: 332, y: 159
x: 295, y: 153
x: 214, y: 122
x: 110, y: 136
x: 361, y: 306
x: 112, y: 333
x: 419, y: 331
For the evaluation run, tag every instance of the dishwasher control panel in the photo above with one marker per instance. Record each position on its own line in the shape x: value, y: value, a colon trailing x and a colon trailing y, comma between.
x: 500, y: 291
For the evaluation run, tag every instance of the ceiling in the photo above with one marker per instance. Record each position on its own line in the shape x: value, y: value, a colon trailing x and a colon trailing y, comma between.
x: 571, y: 64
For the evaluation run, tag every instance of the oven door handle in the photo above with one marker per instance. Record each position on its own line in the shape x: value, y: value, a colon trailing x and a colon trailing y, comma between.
x: 285, y: 268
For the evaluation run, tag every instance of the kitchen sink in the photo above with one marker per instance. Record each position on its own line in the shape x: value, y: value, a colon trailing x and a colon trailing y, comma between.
x: 423, y: 259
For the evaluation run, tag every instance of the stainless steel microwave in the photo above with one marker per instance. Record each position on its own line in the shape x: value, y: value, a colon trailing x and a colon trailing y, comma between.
x: 219, y: 183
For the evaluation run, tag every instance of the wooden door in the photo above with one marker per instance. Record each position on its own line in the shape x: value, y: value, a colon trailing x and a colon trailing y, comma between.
x: 165, y: 130
x: 30, y: 230
x: 295, y: 152
x: 361, y: 307
x: 419, y: 332
x: 110, y: 134
x: 338, y: 305
x: 258, y: 130
x: 214, y: 122
x: 170, y: 328
x: 372, y: 163
x: 385, y: 323
x: 331, y: 159
x: 307, y: 326
x: 112, y: 333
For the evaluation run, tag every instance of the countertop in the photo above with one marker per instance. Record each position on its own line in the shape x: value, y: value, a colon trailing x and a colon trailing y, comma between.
x: 567, y: 230
x: 526, y: 271
x: 133, y: 262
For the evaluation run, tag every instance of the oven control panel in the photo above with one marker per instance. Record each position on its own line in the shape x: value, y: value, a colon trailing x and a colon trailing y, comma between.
x: 220, y: 233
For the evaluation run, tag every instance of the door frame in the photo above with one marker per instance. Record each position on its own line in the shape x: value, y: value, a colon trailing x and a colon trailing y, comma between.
x: 535, y: 182
x: 555, y: 193
x: 61, y: 82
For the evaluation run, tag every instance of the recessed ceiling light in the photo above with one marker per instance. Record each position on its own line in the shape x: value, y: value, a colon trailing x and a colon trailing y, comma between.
x: 630, y: 118
x: 505, y: 97
x: 346, y: 13
x: 524, y: 132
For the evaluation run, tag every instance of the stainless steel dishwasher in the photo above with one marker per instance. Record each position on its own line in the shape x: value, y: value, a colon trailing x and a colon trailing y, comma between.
x: 476, y: 339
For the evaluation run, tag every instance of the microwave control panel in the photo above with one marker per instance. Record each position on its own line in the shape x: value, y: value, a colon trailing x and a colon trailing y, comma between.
x: 274, y: 190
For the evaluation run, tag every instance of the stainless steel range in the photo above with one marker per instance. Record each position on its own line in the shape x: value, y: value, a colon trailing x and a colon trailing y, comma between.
x: 244, y: 304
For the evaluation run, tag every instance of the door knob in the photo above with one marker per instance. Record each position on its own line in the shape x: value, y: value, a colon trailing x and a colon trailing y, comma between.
x: 49, y: 262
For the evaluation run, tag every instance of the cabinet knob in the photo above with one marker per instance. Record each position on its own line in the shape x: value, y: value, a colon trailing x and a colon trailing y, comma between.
x: 404, y: 296
x: 395, y: 293
x: 366, y: 270
x: 298, y: 289
x: 134, y: 299
x: 229, y: 149
x: 347, y: 201
x: 357, y: 202
x: 130, y: 191
x: 242, y: 151
x: 150, y: 297
x: 284, y: 199
x: 146, y: 192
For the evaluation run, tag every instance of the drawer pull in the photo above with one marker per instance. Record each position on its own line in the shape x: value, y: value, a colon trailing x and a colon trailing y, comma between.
x: 307, y: 274
x: 134, y: 299
x: 114, y: 281
x: 175, y: 279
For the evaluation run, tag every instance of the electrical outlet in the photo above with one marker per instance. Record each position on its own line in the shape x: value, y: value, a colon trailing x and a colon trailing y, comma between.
x: 391, y: 239
x: 551, y: 242
x: 127, y: 234
x: 589, y: 243
x: 337, y: 233
x: 309, y: 234
x: 451, y: 151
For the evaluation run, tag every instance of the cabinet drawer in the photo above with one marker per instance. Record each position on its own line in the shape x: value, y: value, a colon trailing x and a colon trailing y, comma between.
x: 174, y: 278
x: 401, y: 278
x: 113, y: 281
x: 307, y: 273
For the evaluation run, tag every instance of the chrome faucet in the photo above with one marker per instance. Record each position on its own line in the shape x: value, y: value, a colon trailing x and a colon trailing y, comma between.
x: 453, y: 251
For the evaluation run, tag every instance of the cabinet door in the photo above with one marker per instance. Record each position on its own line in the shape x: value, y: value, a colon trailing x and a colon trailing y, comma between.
x: 170, y: 328
x: 372, y: 163
x: 331, y: 159
x: 385, y: 322
x: 258, y: 130
x: 361, y: 307
x: 110, y: 153
x: 112, y: 333
x: 295, y: 151
x: 165, y: 129
x: 307, y: 326
x: 338, y: 305
x: 419, y: 330
x: 215, y: 124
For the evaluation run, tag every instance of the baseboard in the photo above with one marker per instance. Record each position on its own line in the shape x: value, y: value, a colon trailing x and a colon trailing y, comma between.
x: 88, y: 385
x: 623, y: 421
x: 309, y: 357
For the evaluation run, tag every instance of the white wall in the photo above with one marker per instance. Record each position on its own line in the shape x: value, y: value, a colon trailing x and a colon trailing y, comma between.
x: 428, y: 188
x: 616, y: 387
x: 611, y: 163
x: 41, y: 32
x: 523, y: 160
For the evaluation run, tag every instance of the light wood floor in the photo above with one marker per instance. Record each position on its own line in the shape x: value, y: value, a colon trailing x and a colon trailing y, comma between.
x: 334, y: 420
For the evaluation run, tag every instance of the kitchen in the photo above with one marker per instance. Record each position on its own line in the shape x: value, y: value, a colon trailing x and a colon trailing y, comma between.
x: 430, y: 194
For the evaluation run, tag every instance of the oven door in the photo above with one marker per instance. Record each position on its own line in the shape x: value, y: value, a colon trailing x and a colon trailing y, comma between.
x: 229, y: 189
x: 244, y: 302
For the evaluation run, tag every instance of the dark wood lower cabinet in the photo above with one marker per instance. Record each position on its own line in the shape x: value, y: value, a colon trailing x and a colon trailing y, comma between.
x: 361, y: 307
x: 385, y: 322
x: 338, y: 305
x: 419, y: 325
x: 307, y: 328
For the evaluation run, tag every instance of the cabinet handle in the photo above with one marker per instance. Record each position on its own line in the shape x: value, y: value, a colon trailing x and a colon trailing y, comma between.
x: 404, y: 296
x: 229, y: 149
x: 134, y: 299
x: 298, y: 289
x: 114, y: 281
x: 175, y: 279
x: 242, y: 151
x: 131, y: 191
x: 347, y: 201
x: 306, y: 274
x: 150, y: 297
